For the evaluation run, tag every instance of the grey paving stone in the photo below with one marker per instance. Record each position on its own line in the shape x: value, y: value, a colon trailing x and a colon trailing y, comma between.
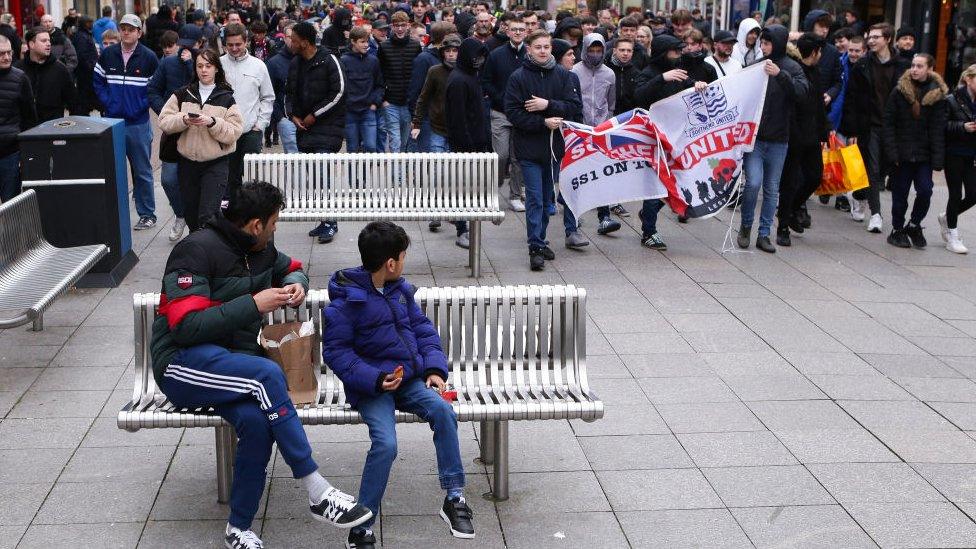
x: 946, y: 346
x: 658, y: 489
x: 7, y: 401
x: 19, y: 502
x: 187, y: 498
x: 17, y: 380
x: 615, y: 453
x: 286, y: 498
x: 819, y: 363
x: 957, y: 481
x: 42, y: 432
x: 633, y: 344
x: 127, y: 464
x: 767, y: 486
x: 745, y: 364
x: 40, y: 466
x: 806, y: 526
x: 79, y: 378
x: 874, y: 483
x: 35, y: 356
x: 576, y: 491
x: 620, y: 392
x: 773, y: 387
x: 108, y: 535
x: 683, y: 528
x: 916, y: 445
x: 835, y: 445
x: 862, y: 387
x: 802, y: 415
x: 551, y: 530
x: 677, y: 390
x: 939, y: 389
x: 104, y: 502
x: 666, y: 365
x: 623, y: 420
x: 303, y: 533
x: 609, y: 366
x: 930, y: 524
x: 893, y: 365
x: 877, y: 415
x: 419, y: 532
x: 197, y: 533
x: 10, y: 535
x: 736, y: 449
x: 712, y: 417
x: 41, y: 404
x: 105, y: 433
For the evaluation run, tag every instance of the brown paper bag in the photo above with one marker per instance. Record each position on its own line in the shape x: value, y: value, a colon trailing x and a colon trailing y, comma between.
x: 295, y: 358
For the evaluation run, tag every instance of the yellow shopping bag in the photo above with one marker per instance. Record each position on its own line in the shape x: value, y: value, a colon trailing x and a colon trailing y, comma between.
x: 832, y: 178
x: 855, y: 175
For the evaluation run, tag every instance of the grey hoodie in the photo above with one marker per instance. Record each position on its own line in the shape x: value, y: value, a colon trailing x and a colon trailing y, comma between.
x: 740, y: 52
x: 597, y: 85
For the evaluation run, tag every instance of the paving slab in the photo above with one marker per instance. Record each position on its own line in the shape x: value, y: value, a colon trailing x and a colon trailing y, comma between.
x: 813, y: 526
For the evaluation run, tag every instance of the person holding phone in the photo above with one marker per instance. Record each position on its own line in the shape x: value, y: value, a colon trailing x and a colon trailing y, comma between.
x: 209, y: 123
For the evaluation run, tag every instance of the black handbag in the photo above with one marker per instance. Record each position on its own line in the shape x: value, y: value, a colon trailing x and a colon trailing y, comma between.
x: 167, y: 147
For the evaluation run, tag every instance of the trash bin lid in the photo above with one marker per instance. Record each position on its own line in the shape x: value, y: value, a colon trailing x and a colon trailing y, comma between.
x: 69, y: 127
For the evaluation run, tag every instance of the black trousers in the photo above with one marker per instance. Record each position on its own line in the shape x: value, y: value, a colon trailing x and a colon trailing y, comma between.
x: 960, y: 174
x: 202, y: 186
x: 801, y: 176
x: 248, y: 142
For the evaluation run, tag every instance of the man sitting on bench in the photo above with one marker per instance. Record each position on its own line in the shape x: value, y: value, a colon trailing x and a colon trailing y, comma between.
x: 220, y: 282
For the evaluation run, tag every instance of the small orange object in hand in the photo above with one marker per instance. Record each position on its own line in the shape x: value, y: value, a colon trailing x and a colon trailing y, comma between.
x: 398, y: 372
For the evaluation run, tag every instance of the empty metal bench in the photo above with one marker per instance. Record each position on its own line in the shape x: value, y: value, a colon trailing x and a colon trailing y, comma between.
x: 33, y: 273
x: 386, y: 186
x: 517, y: 353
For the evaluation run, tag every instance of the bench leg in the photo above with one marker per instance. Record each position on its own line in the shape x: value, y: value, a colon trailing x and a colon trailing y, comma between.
x: 226, y: 444
x: 474, y: 251
x: 487, y: 440
x: 39, y: 323
x: 500, y: 486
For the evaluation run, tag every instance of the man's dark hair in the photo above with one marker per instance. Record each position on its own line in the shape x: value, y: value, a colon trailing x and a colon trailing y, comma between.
x: 164, y: 12
x: 809, y: 43
x: 589, y: 20
x: 629, y: 22
x: 843, y: 32
x: 235, y: 29
x: 168, y: 39
x: 886, y: 30
x: 439, y: 30
x: 358, y: 33
x: 485, y: 4
x: 259, y: 27
x: 380, y: 241
x: 623, y: 40
x: 824, y: 20
x: 106, y: 11
x: 507, y: 16
x: 31, y: 35
x: 304, y: 31
x: 680, y: 17
x: 253, y: 200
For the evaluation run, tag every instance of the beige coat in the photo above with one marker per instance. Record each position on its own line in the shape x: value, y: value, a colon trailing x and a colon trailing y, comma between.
x: 202, y: 143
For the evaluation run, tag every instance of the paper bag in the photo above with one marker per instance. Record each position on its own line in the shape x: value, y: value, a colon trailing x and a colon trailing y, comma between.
x: 295, y: 357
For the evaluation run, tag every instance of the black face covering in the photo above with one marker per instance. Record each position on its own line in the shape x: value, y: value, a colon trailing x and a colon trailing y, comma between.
x: 478, y: 62
x: 693, y: 58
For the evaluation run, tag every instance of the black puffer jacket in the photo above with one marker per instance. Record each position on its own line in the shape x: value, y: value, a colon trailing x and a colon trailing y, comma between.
x: 810, y: 124
x: 959, y: 111
x: 626, y: 85
x: 651, y: 85
x: 16, y: 108
x: 53, y: 87
x: 465, y: 112
x: 533, y: 140
x: 334, y: 37
x: 782, y: 90
x: 908, y: 138
x: 396, y: 61
x: 866, y: 108
x: 317, y: 86
x: 831, y: 70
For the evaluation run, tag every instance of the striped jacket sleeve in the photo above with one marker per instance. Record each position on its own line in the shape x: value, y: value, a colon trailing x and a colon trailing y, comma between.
x: 337, y: 82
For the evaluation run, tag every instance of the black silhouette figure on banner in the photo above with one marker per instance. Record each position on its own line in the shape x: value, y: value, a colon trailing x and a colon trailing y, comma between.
x: 703, y: 191
x: 687, y: 195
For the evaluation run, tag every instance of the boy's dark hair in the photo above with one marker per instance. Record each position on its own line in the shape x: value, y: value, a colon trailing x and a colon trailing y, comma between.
x: 589, y: 20
x: 358, y: 33
x: 235, y: 29
x: 809, y: 43
x: 843, y: 32
x: 168, y: 39
x: 253, y: 200
x: 305, y: 31
x: 680, y: 17
x: 629, y: 22
x: 380, y: 241
x: 259, y: 27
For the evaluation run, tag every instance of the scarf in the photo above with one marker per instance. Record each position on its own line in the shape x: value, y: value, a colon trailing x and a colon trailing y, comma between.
x: 548, y: 65
x: 617, y: 62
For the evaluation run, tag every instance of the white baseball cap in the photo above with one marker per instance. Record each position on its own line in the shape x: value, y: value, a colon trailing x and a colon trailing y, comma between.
x: 131, y: 19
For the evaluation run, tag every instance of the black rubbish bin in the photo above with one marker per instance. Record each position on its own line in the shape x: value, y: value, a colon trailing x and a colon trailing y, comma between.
x: 77, y: 167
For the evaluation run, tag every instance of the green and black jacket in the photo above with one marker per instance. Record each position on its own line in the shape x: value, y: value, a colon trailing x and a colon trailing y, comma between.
x: 210, y: 278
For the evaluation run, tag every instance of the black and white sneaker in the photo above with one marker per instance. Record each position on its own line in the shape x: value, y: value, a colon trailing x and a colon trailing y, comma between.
x: 457, y: 515
x: 361, y: 539
x: 339, y: 509
x: 145, y: 222
x: 235, y: 538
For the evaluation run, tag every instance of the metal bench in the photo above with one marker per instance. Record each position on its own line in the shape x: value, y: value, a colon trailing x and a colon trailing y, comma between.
x: 388, y: 186
x: 33, y: 273
x: 517, y: 353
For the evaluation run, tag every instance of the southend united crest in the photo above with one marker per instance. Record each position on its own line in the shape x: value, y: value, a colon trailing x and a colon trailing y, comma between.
x: 708, y: 109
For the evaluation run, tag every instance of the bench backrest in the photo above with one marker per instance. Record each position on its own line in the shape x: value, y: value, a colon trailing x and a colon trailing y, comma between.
x: 345, y: 182
x: 20, y: 228
x: 513, y: 339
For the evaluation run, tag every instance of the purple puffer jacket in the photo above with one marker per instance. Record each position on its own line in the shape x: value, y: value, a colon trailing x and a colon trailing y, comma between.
x: 366, y: 334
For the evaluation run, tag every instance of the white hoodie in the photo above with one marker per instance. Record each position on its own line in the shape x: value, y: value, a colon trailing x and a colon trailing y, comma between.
x: 740, y: 52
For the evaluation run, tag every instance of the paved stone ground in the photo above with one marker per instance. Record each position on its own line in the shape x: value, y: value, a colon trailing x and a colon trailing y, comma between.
x: 823, y: 396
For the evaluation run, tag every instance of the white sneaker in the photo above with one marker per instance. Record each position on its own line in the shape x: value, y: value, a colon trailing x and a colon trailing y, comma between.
x: 516, y: 204
x: 176, y: 232
x: 875, y: 224
x: 955, y: 245
x: 944, y: 226
x: 235, y: 538
x: 857, y: 210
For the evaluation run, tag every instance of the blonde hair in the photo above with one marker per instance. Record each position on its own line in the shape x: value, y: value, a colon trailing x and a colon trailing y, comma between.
x: 970, y: 72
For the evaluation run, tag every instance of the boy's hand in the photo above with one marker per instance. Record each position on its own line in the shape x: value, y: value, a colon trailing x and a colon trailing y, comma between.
x: 271, y: 299
x: 297, y: 292
x: 434, y: 380
x: 391, y: 382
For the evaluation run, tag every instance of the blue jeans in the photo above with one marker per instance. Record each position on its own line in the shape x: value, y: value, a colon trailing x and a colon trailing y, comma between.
x: 397, y: 120
x: 138, y: 148
x: 648, y: 216
x: 426, y: 136
x: 764, y: 166
x: 9, y: 176
x: 907, y: 173
x: 170, y: 180
x: 286, y: 132
x: 251, y: 393
x: 539, y: 194
x: 361, y: 131
x: 378, y: 413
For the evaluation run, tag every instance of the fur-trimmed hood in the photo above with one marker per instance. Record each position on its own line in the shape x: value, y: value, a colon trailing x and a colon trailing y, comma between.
x: 937, y: 89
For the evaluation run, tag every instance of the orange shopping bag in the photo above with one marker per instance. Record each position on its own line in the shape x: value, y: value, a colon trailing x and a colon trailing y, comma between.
x: 832, y: 180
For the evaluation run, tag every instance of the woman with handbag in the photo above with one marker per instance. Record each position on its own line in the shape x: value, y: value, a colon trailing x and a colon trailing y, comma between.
x: 960, y: 167
x: 206, y: 123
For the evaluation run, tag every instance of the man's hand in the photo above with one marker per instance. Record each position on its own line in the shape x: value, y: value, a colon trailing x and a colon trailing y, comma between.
x: 297, y: 292
x: 186, y: 55
x: 772, y: 69
x: 391, y: 382
x: 437, y: 382
x: 414, y: 133
x: 700, y: 86
x: 298, y: 123
x: 826, y: 99
x: 536, y: 104
x: 553, y: 122
x: 308, y: 121
x: 675, y: 75
x: 852, y: 141
x: 970, y: 127
x: 271, y: 299
x: 372, y: 107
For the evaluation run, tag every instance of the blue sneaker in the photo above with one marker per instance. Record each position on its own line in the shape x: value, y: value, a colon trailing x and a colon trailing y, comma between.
x: 328, y: 233
x: 551, y: 209
x: 317, y: 231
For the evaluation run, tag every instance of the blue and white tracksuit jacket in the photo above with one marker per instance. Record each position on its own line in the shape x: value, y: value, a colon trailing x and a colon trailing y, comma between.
x: 121, y: 87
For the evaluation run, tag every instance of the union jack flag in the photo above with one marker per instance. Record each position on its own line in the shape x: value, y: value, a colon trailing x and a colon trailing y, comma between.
x: 630, y: 128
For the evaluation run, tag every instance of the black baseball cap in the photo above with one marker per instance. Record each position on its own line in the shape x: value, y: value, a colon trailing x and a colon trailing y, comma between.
x: 724, y: 36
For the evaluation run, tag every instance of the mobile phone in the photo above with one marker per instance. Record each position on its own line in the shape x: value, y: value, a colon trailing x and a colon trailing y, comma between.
x: 193, y: 115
